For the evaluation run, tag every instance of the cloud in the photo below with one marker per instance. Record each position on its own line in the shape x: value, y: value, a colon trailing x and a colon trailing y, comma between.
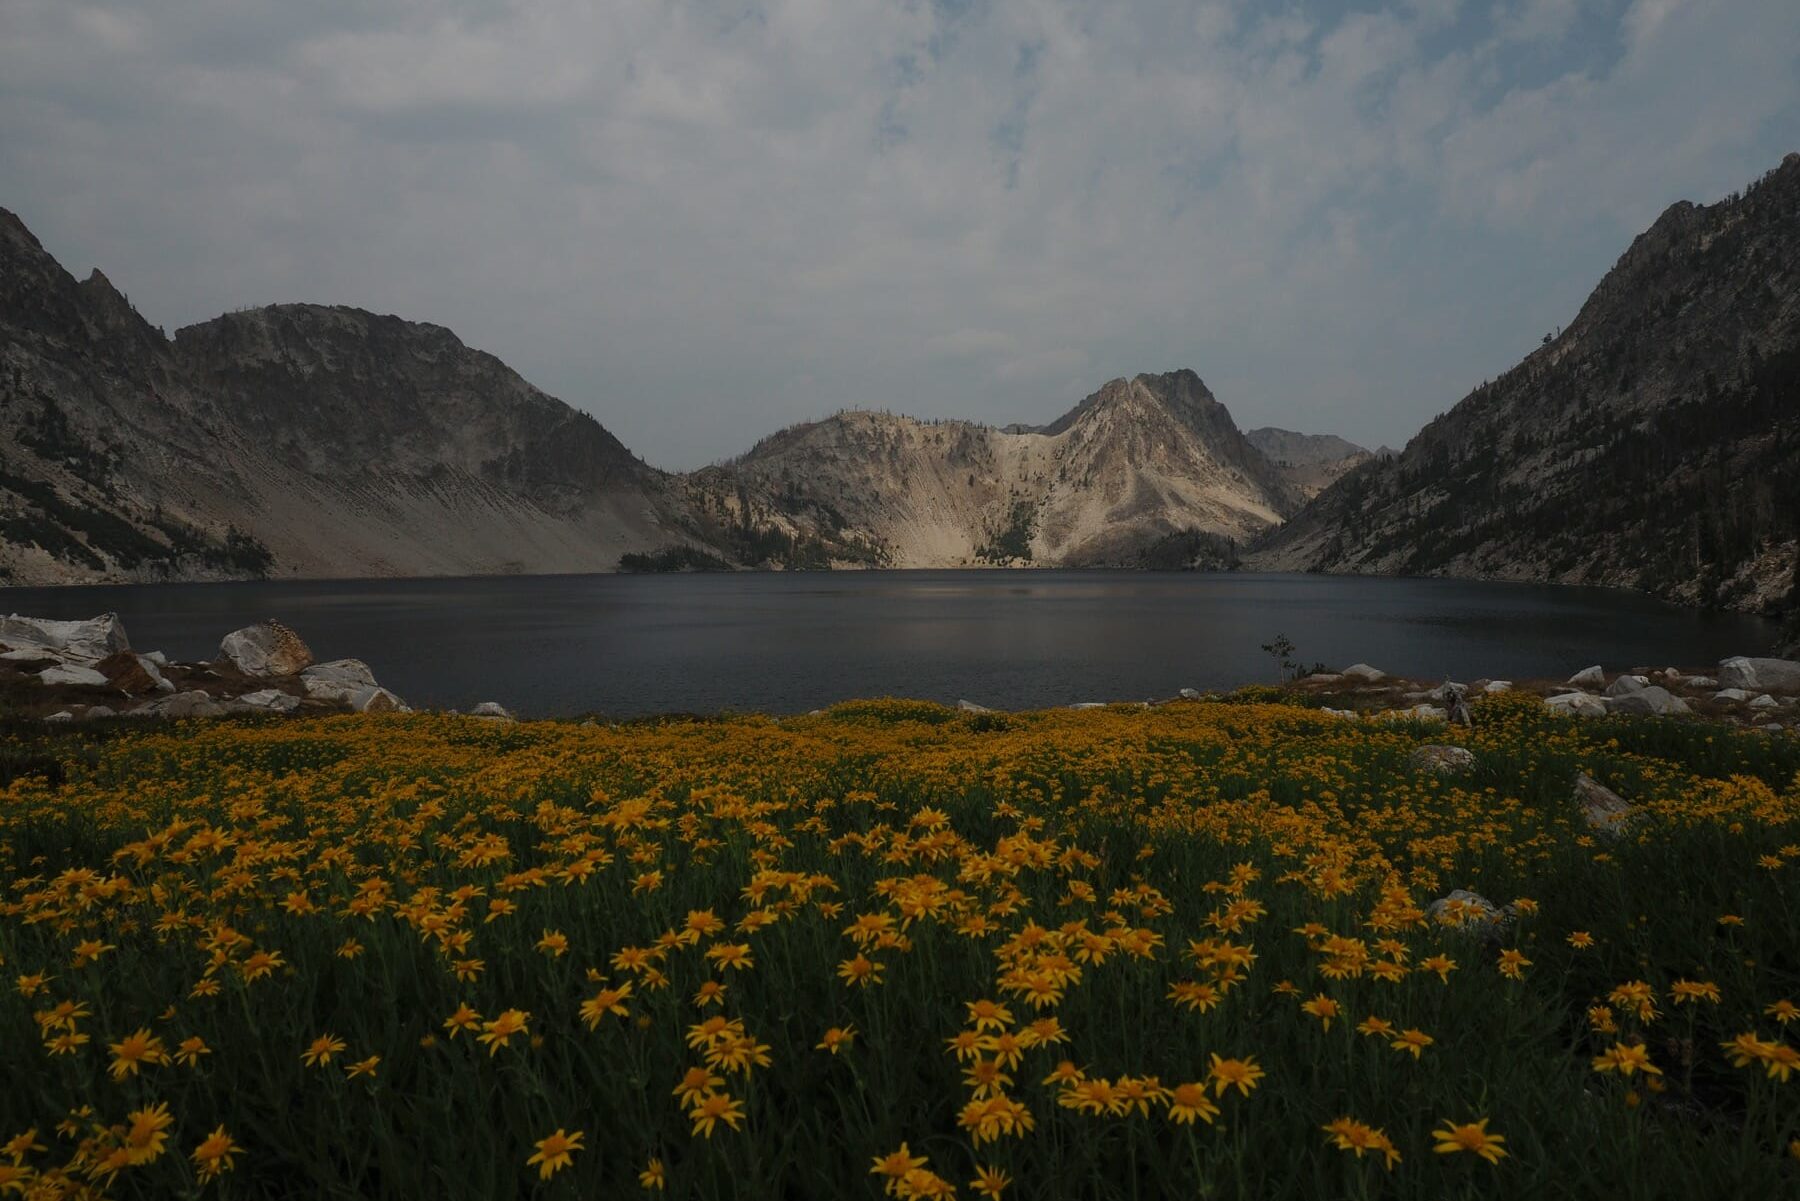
x: 702, y: 220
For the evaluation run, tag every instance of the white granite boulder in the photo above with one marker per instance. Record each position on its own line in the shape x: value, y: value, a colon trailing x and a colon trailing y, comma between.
x: 267, y: 648
x: 337, y: 680
x: 1653, y: 701
x: 271, y: 700
x: 1364, y: 673
x: 1762, y: 675
x: 72, y: 673
x: 1576, y: 704
x: 1441, y: 760
x: 83, y: 641
x: 1589, y: 677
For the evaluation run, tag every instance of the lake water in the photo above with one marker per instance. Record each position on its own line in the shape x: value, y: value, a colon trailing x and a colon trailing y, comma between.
x: 785, y: 643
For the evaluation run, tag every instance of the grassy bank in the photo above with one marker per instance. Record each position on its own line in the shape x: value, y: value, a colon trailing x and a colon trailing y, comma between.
x: 1121, y: 953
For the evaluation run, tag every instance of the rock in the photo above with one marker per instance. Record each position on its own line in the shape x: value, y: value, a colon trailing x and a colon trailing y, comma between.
x: 60, y: 718
x: 158, y: 658
x: 1589, y: 677
x: 70, y: 673
x: 1365, y: 673
x: 96, y: 712
x: 491, y: 709
x: 1189, y: 694
x: 972, y: 707
x: 1470, y: 913
x: 1601, y: 807
x: 1494, y: 686
x: 1773, y: 727
x: 1322, y: 677
x: 1441, y: 760
x: 378, y: 700
x: 1765, y: 675
x: 1765, y: 701
x: 87, y: 641
x: 1652, y: 701
x: 1576, y: 704
x: 1429, y: 713
x: 1088, y: 705
x: 1731, y: 694
x: 196, y: 703
x: 1626, y: 685
x: 1347, y: 714
x: 265, y: 649
x: 1701, y: 682
x: 29, y: 655
x: 132, y: 674
x: 337, y: 681
x: 271, y: 700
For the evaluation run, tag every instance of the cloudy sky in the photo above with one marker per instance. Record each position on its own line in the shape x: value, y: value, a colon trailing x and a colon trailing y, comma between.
x: 701, y: 221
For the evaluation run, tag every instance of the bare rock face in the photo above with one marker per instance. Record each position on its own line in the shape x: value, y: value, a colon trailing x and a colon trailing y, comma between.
x: 1669, y: 395
x: 268, y: 648
x: 86, y: 641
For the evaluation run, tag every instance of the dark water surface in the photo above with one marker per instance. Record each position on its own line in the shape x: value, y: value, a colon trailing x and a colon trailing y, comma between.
x: 786, y: 643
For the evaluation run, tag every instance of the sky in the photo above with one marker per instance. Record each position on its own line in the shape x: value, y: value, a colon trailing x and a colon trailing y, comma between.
x: 705, y: 221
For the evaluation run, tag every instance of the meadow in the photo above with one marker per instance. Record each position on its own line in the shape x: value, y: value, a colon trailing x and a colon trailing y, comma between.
x: 893, y: 949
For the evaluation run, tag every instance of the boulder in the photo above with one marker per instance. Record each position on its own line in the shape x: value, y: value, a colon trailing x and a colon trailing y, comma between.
x: 1653, y: 701
x: 72, y: 673
x: 1763, y: 675
x: 1429, y: 713
x: 268, y: 648
x: 1322, y: 677
x: 338, y: 681
x: 1364, y: 673
x: 134, y: 675
x: 1626, y: 685
x: 1346, y: 714
x: 60, y: 717
x: 196, y: 703
x: 1589, y: 677
x: 1493, y: 686
x: 1765, y: 701
x: 1441, y: 760
x: 96, y: 712
x: 1576, y: 704
x: 1189, y: 694
x: 377, y: 700
x: 1731, y: 694
x: 1701, y: 682
x: 86, y: 641
x: 1088, y: 705
x: 271, y: 700
x: 491, y: 709
x: 1470, y: 913
x: 972, y: 707
x: 1601, y: 808
x: 30, y: 655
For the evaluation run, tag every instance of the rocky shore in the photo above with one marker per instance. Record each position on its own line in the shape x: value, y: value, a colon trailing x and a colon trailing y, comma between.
x: 69, y: 671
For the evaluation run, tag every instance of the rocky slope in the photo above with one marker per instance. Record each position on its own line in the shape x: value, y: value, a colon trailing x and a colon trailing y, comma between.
x: 1654, y: 444
x: 1310, y: 463
x: 1144, y: 470
x: 293, y: 440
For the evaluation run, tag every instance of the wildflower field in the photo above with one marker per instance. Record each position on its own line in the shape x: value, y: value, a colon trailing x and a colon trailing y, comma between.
x: 895, y: 949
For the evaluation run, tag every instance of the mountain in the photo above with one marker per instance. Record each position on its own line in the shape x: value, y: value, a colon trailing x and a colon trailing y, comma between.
x: 1309, y: 462
x: 1146, y: 471
x: 1654, y: 444
x: 296, y: 440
